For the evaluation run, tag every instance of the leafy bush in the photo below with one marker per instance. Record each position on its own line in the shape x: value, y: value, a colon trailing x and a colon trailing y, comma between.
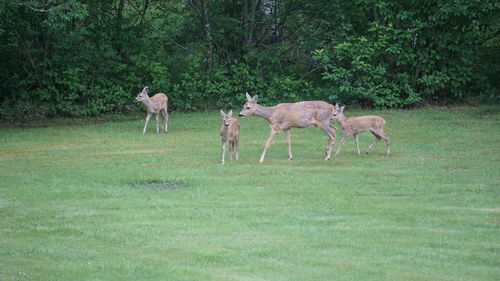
x: 86, y: 58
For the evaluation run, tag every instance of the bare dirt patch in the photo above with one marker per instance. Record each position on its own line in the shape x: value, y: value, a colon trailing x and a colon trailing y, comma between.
x: 339, y: 163
x: 16, y: 152
x: 396, y: 195
x: 456, y: 168
x: 159, y: 185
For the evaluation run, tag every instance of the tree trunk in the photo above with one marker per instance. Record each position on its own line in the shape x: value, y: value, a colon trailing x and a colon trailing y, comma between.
x: 208, y: 36
x: 117, y: 42
x: 249, y: 9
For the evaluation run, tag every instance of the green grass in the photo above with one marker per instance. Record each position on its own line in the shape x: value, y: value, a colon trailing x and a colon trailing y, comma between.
x: 101, y: 202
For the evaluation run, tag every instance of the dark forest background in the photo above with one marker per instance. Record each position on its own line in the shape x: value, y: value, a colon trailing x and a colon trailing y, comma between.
x: 86, y: 58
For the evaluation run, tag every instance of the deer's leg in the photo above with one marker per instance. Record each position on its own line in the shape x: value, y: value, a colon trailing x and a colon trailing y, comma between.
x: 289, y: 142
x: 158, y: 122
x: 388, y: 143
x: 387, y: 140
x: 164, y: 113
x: 268, y: 143
x: 236, y: 147
x: 356, y: 142
x: 160, y: 113
x: 231, y: 150
x: 333, y: 129
x: 223, y: 150
x: 342, y: 141
x: 377, y: 139
x: 331, y: 132
x: 146, y: 123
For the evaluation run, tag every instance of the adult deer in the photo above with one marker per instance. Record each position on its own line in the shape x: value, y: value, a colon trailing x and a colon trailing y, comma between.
x: 354, y: 125
x: 157, y: 104
x: 229, y: 133
x: 293, y: 115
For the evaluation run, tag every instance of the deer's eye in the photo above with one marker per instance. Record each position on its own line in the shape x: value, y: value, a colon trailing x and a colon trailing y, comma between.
x: 248, y: 107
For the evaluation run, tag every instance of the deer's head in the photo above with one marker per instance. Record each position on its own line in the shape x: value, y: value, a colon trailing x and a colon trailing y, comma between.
x: 338, y: 113
x: 142, y: 96
x: 249, y: 107
x: 226, y: 118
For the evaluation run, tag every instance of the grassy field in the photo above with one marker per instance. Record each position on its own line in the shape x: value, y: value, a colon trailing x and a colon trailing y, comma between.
x: 98, y: 201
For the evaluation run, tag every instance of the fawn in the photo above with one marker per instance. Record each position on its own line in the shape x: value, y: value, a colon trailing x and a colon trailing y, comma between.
x: 285, y: 116
x: 354, y: 125
x: 157, y: 104
x: 229, y: 132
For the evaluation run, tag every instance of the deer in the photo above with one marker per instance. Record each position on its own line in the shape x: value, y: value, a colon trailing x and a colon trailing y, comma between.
x: 354, y: 125
x: 284, y: 116
x: 157, y: 104
x: 229, y: 132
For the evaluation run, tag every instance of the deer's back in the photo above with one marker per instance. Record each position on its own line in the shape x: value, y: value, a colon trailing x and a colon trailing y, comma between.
x: 160, y: 99
x: 302, y: 114
x: 365, y: 123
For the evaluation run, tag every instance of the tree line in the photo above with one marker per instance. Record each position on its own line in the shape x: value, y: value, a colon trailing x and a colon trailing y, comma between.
x: 91, y: 57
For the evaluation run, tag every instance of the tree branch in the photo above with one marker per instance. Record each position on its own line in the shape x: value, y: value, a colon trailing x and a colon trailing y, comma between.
x: 495, y: 34
x: 173, y: 41
x: 47, y: 8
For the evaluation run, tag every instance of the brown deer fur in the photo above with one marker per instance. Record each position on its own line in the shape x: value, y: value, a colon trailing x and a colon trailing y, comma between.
x: 229, y: 132
x: 157, y: 104
x: 293, y: 115
x: 354, y: 125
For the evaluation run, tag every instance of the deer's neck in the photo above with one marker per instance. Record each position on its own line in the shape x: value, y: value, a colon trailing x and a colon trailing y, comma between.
x: 263, y: 111
x: 343, y: 124
x: 149, y: 105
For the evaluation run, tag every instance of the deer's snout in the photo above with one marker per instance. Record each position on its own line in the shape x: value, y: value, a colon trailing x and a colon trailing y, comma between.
x: 241, y: 115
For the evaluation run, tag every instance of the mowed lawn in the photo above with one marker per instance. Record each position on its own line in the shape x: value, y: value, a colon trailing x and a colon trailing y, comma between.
x: 98, y: 201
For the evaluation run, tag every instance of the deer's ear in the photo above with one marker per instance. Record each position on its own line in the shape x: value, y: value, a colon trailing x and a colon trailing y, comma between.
x: 342, y: 108
x: 230, y: 113
x: 145, y: 90
x: 222, y: 113
x: 249, y: 98
x: 337, y: 107
x: 255, y: 98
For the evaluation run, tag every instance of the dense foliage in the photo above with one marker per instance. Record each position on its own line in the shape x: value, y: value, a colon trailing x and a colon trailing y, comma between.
x: 89, y: 57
